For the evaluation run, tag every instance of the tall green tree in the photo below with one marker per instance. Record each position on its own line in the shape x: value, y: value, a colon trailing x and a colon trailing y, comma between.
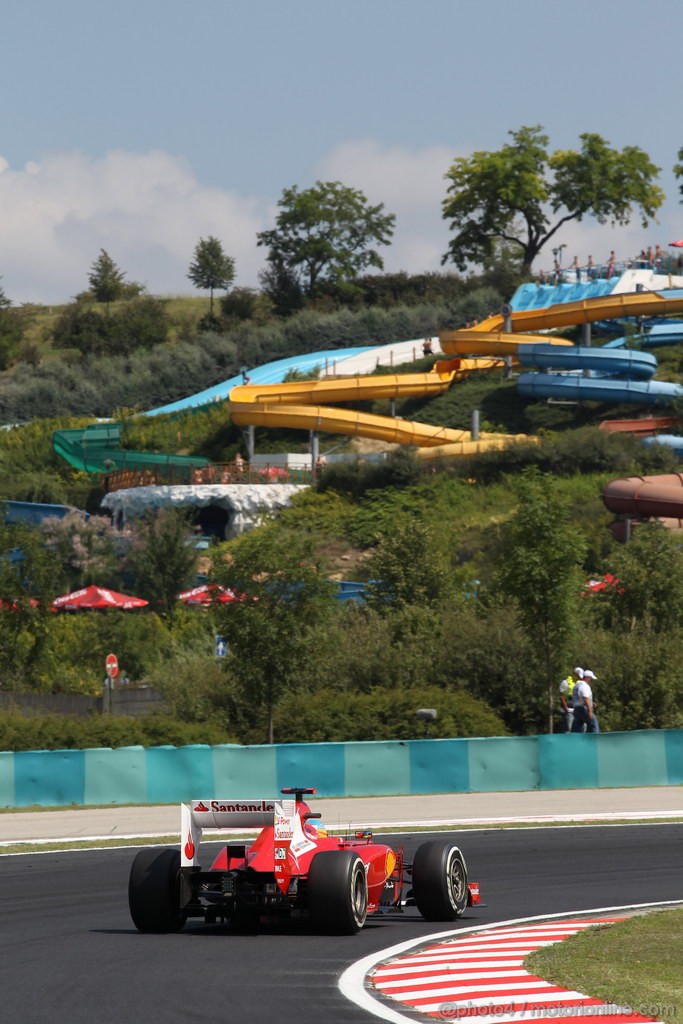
x: 522, y: 195
x: 107, y: 281
x: 274, y: 626
x: 211, y: 268
x: 329, y: 232
x: 541, y: 569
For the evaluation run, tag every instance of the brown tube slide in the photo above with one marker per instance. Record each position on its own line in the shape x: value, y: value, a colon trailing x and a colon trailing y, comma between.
x: 660, y: 496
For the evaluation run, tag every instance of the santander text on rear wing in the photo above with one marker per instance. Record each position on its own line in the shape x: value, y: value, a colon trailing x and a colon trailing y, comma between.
x: 230, y: 813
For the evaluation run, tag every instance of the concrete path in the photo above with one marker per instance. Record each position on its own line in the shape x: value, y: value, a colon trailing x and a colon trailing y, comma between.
x: 401, y: 811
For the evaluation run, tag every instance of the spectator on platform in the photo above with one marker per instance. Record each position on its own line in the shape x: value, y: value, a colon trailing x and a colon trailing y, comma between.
x: 590, y: 269
x: 611, y: 264
x: 576, y: 267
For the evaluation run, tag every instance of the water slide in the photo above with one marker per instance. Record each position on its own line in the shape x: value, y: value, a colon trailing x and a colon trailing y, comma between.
x: 311, y: 405
x: 635, y: 498
x: 298, y: 406
x: 305, y: 406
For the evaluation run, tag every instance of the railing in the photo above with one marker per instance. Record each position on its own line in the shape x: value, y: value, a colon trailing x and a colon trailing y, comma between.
x: 660, y: 264
x: 216, y: 473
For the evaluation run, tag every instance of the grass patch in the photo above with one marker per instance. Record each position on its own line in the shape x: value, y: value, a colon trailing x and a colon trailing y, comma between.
x: 635, y: 963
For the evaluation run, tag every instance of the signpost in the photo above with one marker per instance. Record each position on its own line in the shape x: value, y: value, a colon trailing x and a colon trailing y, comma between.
x: 111, y: 667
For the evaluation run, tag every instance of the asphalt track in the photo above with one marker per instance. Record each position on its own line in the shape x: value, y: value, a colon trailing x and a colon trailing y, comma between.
x: 70, y: 953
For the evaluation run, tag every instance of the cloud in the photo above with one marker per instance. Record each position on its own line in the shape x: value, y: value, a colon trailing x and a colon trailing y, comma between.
x: 146, y: 209
x: 411, y: 184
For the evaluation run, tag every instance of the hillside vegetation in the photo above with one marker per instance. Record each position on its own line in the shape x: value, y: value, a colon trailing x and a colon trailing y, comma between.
x: 443, y: 626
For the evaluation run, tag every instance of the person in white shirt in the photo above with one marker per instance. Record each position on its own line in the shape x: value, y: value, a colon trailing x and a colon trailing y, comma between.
x: 582, y: 700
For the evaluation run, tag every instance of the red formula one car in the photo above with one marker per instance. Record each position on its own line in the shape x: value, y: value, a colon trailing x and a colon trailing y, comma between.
x: 293, y: 869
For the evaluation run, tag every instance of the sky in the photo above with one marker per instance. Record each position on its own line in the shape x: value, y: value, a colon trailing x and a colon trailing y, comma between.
x: 142, y: 126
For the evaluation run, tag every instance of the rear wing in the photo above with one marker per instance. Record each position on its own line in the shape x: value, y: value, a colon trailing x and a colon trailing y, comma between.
x: 219, y: 814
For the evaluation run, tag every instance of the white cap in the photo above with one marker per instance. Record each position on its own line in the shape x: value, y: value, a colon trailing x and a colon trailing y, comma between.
x: 589, y: 675
x: 579, y: 672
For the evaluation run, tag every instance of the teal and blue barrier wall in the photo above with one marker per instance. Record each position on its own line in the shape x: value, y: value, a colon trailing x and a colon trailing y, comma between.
x: 158, y: 775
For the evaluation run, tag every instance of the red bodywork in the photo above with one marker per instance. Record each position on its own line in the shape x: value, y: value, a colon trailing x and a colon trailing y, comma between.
x: 384, y: 866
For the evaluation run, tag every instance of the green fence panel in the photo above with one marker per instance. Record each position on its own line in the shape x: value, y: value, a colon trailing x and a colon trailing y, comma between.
x: 673, y: 740
x: 567, y: 761
x: 243, y: 772
x: 49, y: 778
x: 175, y: 774
x: 7, y: 798
x: 503, y: 763
x: 116, y: 776
x: 376, y: 769
x: 632, y: 758
x: 319, y: 766
x: 439, y: 766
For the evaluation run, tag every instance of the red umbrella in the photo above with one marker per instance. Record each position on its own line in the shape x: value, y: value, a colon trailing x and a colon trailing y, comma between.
x: 209, y: 593
x: 678, y: 245
x: 96, y: 597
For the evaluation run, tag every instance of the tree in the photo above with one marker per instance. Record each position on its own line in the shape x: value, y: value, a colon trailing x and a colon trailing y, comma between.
x: 510, y: 195
x: 274, y: 625
x: 678, y: 170
x: 650, y: 573
x: 325, y: 233
x: 106, y: 280
x: 408, y: 569
x: 11, y: 331
x: 211, y: 268
x: 163, y: 558
x: 541, y: 570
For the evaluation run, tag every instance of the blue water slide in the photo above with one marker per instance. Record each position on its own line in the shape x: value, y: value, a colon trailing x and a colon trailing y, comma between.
x: 668, y: 440
x: 270, y: 373
x: 573, y: 387
x: 538, y: 296
x: 620, y: 363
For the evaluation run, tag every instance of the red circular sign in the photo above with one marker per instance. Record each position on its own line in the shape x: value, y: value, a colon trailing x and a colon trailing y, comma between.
x: 112, y: 666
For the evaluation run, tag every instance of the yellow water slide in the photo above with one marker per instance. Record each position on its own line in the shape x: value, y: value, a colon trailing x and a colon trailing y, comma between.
x: 309, y: 405
x: 296, y: 405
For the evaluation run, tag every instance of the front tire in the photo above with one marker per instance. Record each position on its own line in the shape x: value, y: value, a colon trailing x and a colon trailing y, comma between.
x: 154, y: 891
x: 337, y: 892
x: 440, y: 881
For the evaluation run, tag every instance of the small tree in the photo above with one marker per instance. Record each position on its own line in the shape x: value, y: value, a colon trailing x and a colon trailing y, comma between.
x: 408, y: 569
x: 211, y: 268
x: 107, y: 282
x: 163, y: 558
x: 678, y: 171
x: 542, y: 556
x: 11, y: 331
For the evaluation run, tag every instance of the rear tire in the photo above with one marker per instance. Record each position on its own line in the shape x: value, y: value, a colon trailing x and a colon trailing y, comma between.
x: 154, y: 891
x: 337, y: 892
x: 440, y: 881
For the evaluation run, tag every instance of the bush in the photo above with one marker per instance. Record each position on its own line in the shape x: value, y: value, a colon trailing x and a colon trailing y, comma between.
x: 328, y: 716
x: 58, y: 732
